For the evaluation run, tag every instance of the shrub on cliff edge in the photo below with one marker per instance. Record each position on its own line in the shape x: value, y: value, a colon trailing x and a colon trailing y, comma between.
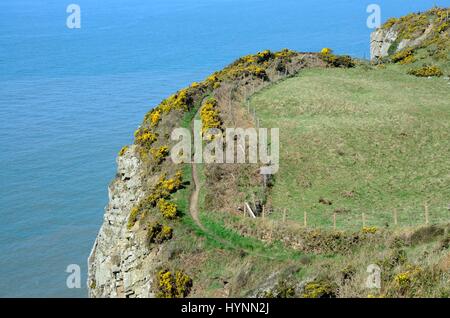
x: 171, y: 285
x: 426, y: 71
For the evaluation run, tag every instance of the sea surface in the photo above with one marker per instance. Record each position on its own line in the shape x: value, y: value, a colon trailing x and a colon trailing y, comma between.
x: 71, y: 98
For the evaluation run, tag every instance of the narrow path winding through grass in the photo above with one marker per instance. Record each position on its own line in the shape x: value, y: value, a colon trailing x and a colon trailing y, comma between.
x: 195, y: 213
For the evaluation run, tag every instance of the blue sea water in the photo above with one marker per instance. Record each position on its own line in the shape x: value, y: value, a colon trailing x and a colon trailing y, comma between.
x: 69, y: 99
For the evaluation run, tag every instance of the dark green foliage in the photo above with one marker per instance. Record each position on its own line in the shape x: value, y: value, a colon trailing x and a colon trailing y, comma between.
x: 158, y: 233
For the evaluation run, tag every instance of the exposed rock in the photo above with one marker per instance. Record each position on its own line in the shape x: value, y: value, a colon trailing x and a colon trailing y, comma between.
x: 117, y: 267
x: 380, y: 42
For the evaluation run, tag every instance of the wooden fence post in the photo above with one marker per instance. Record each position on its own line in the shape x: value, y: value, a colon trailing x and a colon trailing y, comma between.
x: 305, y: 219
x: 395, y: 217
x: 250, y: 212
x: 426, y: 214
x: 263, y: 212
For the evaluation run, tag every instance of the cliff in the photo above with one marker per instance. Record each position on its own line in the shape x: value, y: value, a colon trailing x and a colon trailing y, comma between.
x: 179, y: 230
x: 412, y: 31
x: 124, y: 260
x: 116, y: 260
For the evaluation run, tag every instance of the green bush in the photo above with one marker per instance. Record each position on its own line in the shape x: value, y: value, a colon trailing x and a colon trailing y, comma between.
x: 171, y: 285
x: 158, y: 233
x: 331, y: 59
x: 426, y: 71
x: 159, y: 196
x: 319, y: 289
x: 168, y: 209
x: 404, y: 56
x: 160, y: 153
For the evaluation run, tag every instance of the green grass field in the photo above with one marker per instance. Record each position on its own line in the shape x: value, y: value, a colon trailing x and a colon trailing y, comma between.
x: 369, y: 140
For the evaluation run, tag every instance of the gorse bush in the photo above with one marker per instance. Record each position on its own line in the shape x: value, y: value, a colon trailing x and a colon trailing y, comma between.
x: 426, y: 71
x: 285, y: 54
x: 403, y: 283
x: 389, y: 23
x: 173, y: 286
x: 155, y: 117
x: 164, y: 187
x: 181, y: 101
x: 158, y: 233
x: 282, y: 290
x: 172, y: 184
x: 443, y: 27
x: 403, y: 57
x: 160, y: 153
x: 344, y: 61
x: 326, y: 51
x: 264, y: 56
x: 249, y: 66
x: 178, y: 101
x: 319, y: 289
x: 167, y: 209
x: 161, y: 191
x: 250, y: 70
x: 369, y: 230
x: 408, y: 60
x: 210, y: 115
x: 145, y: 137
x: 412, y: 25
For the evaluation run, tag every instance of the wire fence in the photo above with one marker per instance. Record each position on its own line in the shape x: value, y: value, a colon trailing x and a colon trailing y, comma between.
x: 252, y: 112
x: 395, y: 218
x: 426, y: 214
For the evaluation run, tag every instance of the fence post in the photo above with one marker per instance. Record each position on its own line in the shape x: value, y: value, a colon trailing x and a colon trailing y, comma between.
x: 305, y: 219
x: 395, y: 217
x: 263, y: 211
x: 426, y: 214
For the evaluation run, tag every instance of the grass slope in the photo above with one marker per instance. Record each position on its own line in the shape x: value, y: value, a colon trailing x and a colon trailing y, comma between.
x: 368, y: 140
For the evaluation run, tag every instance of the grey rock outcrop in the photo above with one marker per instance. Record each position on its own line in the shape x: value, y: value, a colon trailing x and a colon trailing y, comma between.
x: 119, y: 265
x: 380, y: 42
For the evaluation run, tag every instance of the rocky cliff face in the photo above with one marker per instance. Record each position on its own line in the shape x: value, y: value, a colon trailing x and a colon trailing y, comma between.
x: 384, y: 42
x: 380, y: 42
x: 123, y: 263
x: 411, y: 31
x: 116, y: 262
